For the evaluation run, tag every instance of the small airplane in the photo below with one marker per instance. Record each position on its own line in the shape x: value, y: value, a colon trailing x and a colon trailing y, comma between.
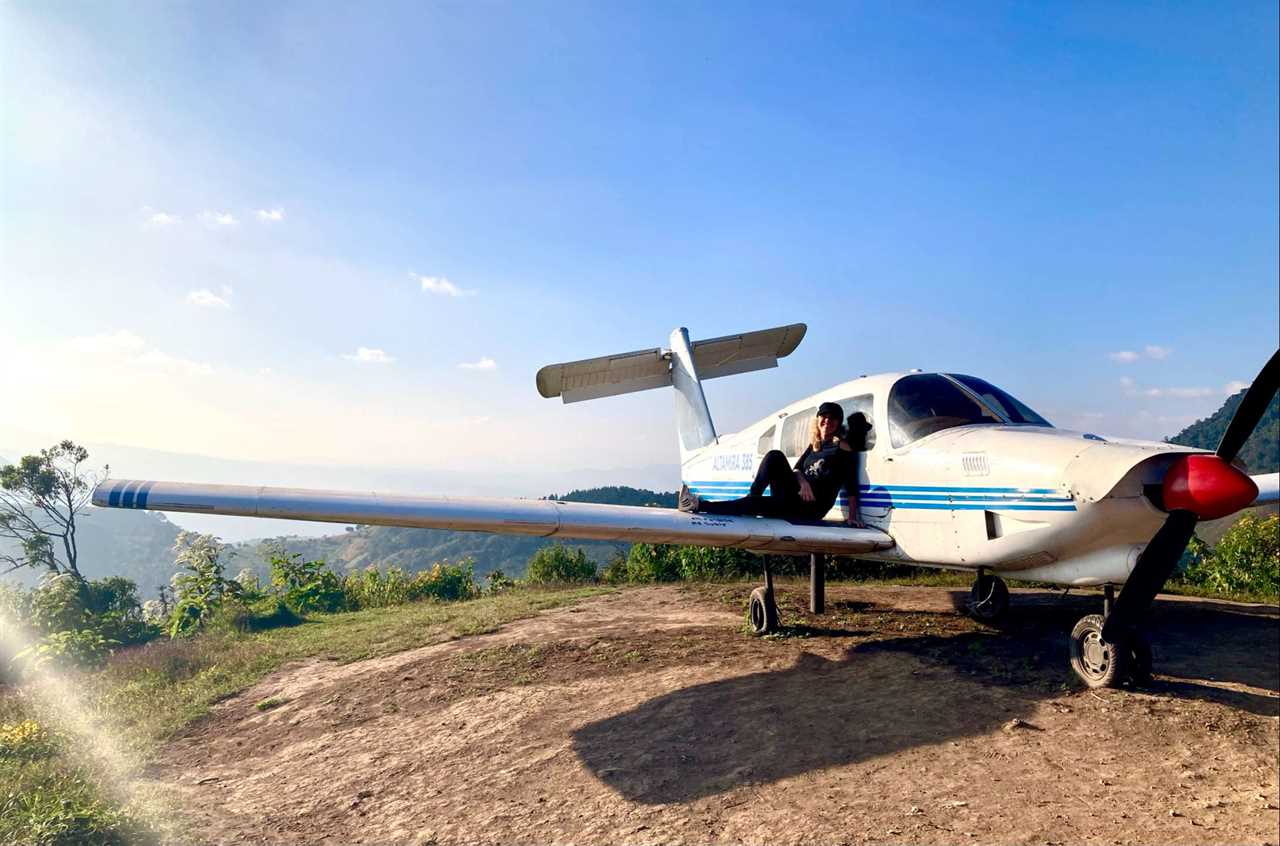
x: 955, y: 473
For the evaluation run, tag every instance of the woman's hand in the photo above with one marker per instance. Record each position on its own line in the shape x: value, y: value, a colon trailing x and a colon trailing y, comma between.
x: 806, y: 492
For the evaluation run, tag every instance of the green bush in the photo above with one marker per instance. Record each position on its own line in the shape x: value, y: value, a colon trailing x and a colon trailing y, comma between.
x: 558, y: 563
x: 268, y: 612
x: 662, y: 563
x: 446, y: 582
x: 306, y: 586
x: 1245, y: 561
x: 202, y: 588
x: 498, y: 581
x: 374, y: 589
x: 71, y: 621
x: 648, y: 562
x: 83, y: 647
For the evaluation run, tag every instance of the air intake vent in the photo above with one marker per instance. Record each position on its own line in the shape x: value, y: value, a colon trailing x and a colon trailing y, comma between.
x: 975, y: 464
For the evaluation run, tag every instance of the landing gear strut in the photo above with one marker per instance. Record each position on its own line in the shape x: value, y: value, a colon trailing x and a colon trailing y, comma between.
x: 988, y: 598
x: 763, y: 611
x: 1100, y: 663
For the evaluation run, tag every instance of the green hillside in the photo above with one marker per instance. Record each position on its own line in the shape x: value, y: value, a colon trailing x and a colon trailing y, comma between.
x: 1261, y: 453
x: 113, y: 542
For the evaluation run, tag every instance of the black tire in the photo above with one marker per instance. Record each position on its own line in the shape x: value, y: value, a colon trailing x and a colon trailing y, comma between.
x: 1139, y: 660
x: 762, y: 613
x: 988, y: 599
x: 1097, y: 662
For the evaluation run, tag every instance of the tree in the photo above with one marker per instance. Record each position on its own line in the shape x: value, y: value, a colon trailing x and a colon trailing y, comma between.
x: 40, y: 497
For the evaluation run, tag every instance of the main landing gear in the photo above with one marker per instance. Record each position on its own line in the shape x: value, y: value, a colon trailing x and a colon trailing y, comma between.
x: 1099, y: 663
x: 988, y: 598
x: 763, y: 611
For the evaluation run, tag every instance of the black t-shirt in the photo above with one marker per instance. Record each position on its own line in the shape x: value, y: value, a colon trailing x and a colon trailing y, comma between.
x: 828, y: 470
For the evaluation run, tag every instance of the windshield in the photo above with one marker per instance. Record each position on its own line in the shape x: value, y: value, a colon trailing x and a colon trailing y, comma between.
x: 1002, y: 402
x: 922, y: 404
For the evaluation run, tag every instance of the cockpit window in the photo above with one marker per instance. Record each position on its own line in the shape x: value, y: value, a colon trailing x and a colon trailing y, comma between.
x: 1002, y: 402
x: 925, y: 403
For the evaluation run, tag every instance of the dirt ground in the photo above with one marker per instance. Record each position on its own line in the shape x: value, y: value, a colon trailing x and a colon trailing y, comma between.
x: 650, y: 717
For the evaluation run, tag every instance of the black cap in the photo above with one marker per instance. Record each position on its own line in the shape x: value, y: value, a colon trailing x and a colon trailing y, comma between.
x: 831, y: 409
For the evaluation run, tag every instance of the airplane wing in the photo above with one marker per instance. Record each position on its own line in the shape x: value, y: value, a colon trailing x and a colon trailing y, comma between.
x: 1268, y: 488
x: 538, y: 517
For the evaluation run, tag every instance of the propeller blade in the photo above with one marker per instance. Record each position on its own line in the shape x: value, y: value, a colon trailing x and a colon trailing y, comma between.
x: 1153, y: 569
x: 1251, y: 409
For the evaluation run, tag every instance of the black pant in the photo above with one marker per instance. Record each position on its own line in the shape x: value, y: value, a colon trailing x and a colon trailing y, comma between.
x: 776, y: 474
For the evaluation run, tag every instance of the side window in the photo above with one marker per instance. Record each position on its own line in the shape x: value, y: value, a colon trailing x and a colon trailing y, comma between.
x: 795, y: 432
x: 766, y: 441
x: 862, y: 403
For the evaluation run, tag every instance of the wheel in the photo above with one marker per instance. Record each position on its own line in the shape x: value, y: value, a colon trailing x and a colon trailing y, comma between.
x: 1139, y: 660
x: 1097, y: 662
x: 988, y: 599
x: 763, y: 612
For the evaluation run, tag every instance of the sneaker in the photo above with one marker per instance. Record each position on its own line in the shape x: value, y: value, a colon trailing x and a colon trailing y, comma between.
x: 689, y: 501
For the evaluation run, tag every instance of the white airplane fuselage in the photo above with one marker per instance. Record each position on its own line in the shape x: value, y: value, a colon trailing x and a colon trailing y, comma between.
x: 1028, y: 502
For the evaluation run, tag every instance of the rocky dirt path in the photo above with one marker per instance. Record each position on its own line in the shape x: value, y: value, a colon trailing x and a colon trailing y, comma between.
x: 649, y: 717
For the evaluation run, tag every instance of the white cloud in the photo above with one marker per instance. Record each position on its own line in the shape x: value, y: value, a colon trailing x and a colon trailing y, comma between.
x: 1235, y: 387
x: 208, y: 299
x: 128, y: 348
x: 1132, y: 389
x: 485, y: 363
x: 211, y: 218
x: 159, y: 219
x: 172, y: 364
x: 369, y: 355
x: 270, y: 215
x: 441, y: 286
x: 1151, y: 351
x: 1179, y: 393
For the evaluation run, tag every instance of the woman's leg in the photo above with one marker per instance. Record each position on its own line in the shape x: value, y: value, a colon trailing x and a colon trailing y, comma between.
x: 774, y: 473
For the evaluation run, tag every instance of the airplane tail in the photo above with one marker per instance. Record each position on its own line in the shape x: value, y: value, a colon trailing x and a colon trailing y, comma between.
x: 684, y: 366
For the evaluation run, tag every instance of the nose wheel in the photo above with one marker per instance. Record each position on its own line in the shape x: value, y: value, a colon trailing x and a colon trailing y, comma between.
x: 988, y: 598
x: 1100, y: 663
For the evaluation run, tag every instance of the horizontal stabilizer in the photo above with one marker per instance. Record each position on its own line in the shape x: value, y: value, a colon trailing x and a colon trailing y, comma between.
x: 641, y: 370
x: 539, y: 517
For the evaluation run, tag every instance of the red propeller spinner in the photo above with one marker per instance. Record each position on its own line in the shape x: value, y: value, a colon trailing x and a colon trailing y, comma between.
x: 1206, y: 486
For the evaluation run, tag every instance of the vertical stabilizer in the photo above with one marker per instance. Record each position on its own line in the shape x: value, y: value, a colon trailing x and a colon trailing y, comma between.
x: 693, y: 418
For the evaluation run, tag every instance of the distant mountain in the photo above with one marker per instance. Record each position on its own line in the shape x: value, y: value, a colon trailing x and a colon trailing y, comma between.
x: 113, y: 542
x: 417, y: 549
x: 1261, y: 453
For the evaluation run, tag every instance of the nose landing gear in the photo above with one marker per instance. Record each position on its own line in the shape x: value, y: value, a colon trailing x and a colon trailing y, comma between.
x: 1100, y: 663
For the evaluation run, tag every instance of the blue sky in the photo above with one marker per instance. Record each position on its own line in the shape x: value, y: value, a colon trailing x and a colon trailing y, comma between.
x: 208, y: 210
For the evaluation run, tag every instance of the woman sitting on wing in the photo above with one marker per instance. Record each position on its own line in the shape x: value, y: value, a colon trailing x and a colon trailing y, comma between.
x: 808, y: 491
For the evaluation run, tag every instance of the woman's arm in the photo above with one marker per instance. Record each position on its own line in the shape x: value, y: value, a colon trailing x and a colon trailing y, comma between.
x: 851, y: 484
x: 806, y: 491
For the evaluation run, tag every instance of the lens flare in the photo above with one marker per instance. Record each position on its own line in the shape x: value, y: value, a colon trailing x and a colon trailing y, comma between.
x: 59, y: 701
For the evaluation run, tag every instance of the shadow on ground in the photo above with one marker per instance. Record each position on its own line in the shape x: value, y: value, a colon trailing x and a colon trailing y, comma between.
x: 889, y: 695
